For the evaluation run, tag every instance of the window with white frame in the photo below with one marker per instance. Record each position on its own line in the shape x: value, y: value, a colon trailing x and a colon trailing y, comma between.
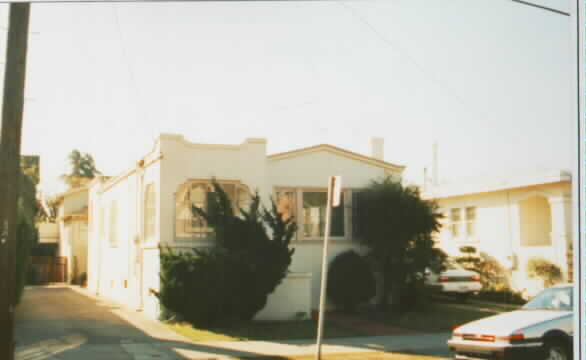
x: 199, y: 193
x: 462, y: 223
x: 314, y: 215
x: 308, y: 207
x: 470, y: 219
x: 150, y: 211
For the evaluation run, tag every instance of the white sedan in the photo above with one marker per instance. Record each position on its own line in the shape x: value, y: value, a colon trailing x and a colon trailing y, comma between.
x: 456, y: 280
x: 542, y: 330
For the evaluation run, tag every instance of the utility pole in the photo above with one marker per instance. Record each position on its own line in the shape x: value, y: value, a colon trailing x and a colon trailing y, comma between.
x: 10, y: 136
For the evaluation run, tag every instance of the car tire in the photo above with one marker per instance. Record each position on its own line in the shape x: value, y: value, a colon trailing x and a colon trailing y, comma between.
x: 555, y: 350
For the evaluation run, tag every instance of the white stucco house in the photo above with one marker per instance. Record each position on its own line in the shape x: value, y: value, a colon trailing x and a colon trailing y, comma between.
x: 71, y: 229
x: 149, y: 205
x: 511, y: 220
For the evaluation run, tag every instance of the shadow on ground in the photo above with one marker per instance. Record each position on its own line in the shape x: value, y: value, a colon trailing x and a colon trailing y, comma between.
x: 57, y: 322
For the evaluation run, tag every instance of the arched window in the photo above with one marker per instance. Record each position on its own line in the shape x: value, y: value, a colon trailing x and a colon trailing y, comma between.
x: 199, y: 193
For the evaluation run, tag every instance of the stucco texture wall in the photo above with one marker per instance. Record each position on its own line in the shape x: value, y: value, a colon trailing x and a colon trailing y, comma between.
x: 515, y: 225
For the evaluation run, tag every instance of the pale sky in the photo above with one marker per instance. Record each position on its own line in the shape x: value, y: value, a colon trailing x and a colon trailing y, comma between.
x: 490, y: 80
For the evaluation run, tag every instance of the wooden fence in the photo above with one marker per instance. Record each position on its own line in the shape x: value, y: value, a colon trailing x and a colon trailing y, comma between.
x: 49, y: 269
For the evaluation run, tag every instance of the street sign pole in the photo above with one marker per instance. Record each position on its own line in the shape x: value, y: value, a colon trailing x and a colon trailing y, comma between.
x: 334, y: 189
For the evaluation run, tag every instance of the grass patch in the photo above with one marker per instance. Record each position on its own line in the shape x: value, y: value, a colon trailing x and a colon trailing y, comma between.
x: 441, y: 317
x: 263, y: 330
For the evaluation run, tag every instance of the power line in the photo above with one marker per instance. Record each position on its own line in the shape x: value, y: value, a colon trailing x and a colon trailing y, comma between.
x: 131, y: 75
x: 426, y: 72
x: 542, y: 7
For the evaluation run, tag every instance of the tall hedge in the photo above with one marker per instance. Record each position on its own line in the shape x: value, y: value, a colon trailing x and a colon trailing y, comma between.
x: 230, y: 281
x: 350, y: 281
x: 26, y: 234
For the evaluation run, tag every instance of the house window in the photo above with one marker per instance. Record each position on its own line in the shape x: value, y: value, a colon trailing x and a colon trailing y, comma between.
x: 455, y: 223
x: 314, y: 215
x: 286, y: 204
x: 462, y: 223
x: 150, y: 210
x: 470, y: 222
x: 357, y: 200
x: 200, y: 194
x: 113, y: 224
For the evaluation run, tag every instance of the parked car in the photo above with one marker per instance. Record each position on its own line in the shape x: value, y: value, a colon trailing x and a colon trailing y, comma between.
x: 455, y: 281
x: 542, y: 329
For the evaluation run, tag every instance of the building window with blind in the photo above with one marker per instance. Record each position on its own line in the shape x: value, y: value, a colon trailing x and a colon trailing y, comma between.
x: 314, y: 215
x: 357, y: 201
x: 200, y: 194
x: 150, y: 212
x: 114, y: 223
x: 470, y: 222
x: 462, y: 223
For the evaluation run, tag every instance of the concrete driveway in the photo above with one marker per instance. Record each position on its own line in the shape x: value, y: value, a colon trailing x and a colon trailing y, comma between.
x: 67, y: 323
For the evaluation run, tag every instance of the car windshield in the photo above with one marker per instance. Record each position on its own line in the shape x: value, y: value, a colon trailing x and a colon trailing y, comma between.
x: 557, y: 298
x: 452, y: 265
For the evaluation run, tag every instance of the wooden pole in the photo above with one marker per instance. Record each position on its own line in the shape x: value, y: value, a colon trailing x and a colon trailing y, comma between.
x: 10, y: 139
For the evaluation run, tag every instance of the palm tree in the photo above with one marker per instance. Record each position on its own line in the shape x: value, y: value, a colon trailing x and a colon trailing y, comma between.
x: 83, y: 169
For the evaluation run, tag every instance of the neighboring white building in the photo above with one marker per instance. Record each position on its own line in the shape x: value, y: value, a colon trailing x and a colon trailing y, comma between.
x: 149, y: 205
x: 72, y: 207
x: 512, y: 221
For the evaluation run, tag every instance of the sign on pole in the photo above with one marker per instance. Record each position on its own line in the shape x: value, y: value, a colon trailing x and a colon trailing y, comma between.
x: 334, y: 191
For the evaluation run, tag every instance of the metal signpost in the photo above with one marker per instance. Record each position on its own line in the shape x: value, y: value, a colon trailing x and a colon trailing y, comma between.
x: 334, y: 189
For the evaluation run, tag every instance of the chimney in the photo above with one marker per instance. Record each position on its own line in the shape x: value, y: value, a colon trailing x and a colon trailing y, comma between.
x: 377, y: 148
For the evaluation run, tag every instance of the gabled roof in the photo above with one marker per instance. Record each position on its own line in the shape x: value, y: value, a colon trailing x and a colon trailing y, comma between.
x: 338, y: 151
x: 489, y: 185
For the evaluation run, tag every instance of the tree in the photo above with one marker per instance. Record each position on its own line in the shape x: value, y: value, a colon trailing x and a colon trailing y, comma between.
x: 83, y: 169
x: 230, y: 281
x: 27, y: 233
x: 397, y: 225
x: 351, y: 281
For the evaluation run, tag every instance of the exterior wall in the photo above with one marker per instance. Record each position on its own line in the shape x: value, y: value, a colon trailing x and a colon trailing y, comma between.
x: 48, y: 233
x: 308, y: 259
x: 183, y: 161
x: 294, y: 291
x: 313, y: 170
x: 117, y: 269
x: 129, y: 272
x: 94, y: 248
x: 510, y: 227
x: 74, y: 202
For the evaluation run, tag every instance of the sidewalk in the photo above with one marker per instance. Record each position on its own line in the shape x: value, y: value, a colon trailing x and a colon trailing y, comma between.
x: 424, y: 344
x: 79, y: 325
x: 409, y: 342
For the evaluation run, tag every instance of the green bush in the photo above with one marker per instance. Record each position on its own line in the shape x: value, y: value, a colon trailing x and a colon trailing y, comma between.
x: 541, y: 268
x: 230, y: 281
x: 350, y: 281
x: 505, y: 296
x: 492, y: 274
x: 27, y: 234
